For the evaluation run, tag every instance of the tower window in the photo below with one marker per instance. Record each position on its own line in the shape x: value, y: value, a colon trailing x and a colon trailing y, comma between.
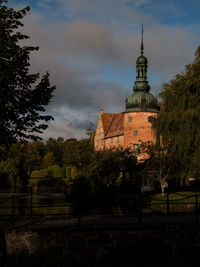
x: 135, y: 132
x: 150, y: 118
x: 129, y: 119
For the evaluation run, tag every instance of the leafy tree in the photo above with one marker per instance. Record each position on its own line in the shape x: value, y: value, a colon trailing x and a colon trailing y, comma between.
x: 22, y: 95
x: 77, y: 153
x: 177, y: 125
x: 56, y: 146
x: 12, y: 170
x: 108, y: 168
x: 160, y: 166
x: 48, y: 160
x: 32, y: 157
x: 104, y: 170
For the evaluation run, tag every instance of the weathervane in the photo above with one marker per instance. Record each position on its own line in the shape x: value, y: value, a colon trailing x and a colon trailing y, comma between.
x: 142, y: 45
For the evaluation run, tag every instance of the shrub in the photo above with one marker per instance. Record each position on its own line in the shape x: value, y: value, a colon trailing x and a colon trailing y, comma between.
x: 55, y: 171
x: 35, y: 174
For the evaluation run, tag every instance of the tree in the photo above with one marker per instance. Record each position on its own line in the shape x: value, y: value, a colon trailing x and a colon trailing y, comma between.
x: 12, y: 170
x: 48, y: 160
x: 178, y: 123
x: 56, y: 146
x: 108, y: 168
x: 77, y: 153
x: 32, y: 157
x: 22, y: 95
x: 159, y: 166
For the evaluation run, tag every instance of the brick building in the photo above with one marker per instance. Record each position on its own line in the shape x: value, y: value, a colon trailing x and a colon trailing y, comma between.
x: 127, y: 128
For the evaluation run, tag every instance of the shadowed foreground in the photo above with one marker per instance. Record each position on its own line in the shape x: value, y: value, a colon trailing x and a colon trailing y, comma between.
x: 162, y: 246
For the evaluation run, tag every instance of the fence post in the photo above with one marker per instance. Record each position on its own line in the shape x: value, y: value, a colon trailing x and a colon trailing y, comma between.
x: 31, y: 207
x: 167, y: 203
x: 13, y: 210
x: 196, y: 208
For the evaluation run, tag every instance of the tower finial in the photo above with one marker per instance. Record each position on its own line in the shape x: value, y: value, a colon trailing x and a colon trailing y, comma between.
x: 142, y: 45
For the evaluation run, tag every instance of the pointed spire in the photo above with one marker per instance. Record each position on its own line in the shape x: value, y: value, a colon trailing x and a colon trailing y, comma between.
x: 142, y: 45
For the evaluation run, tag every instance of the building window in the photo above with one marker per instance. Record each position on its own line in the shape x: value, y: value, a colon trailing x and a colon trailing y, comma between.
x: 129, y: 119
x: 135, y: 132
x: 111, y: 140
x: 118, y: 139
x: 150, y: 118
x: 137, y: 149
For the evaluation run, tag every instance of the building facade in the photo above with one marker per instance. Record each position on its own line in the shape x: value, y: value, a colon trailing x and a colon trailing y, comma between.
x: 128, y: 128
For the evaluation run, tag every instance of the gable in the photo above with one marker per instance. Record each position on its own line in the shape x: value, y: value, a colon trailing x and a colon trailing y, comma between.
x: 107, y: 119
x: 116, y: 126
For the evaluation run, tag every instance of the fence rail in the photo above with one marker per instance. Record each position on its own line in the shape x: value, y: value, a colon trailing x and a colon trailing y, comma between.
x: 27, y: 206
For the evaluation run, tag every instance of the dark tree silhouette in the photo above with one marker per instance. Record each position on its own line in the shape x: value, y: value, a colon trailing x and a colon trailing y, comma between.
x: 22, y: 94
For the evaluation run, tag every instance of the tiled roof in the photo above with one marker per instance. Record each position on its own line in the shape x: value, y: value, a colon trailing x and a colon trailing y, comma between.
x: 113, y: 124
x: 107, y: 118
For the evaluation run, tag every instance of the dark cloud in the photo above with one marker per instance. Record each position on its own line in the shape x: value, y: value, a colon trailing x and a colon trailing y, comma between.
x: 76, y: 52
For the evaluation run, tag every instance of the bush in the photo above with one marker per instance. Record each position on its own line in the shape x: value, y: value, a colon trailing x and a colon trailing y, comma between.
x: 53, y: 171
x: 56, y: 171
x: 43, y: 173
x: 35, y: 174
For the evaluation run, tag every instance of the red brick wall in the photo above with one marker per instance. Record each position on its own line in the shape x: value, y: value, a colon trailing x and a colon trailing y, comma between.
x: 115, y: 141
x: 140, y: 124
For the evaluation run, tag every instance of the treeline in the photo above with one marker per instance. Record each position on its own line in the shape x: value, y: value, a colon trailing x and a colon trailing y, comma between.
x: 98, y: 169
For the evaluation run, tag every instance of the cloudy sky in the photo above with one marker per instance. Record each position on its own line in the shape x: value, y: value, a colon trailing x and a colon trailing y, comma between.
x: 90, y: 48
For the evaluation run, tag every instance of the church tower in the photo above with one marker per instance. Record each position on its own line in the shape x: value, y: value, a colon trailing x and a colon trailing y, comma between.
x: 128, y: 128
x: 141, y: 106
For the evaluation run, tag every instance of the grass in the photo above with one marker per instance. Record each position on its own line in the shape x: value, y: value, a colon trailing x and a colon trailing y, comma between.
x: 184, y: 201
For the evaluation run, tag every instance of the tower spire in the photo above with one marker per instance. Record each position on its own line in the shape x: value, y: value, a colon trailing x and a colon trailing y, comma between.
x: 141, y: 83
x: 141, y: 100
x: 142, y: 45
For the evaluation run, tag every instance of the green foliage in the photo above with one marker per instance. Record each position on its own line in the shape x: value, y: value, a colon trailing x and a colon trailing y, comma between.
x: 22, y: 95
x: 32, y: 157
x: 110, y: 168
x: 177, y: 125
x: 58, y: 173
x: 68, y: 172
x: 56, y: 146
x: 160, y: 165
x: 11, y: 166
x: 53, y: 171
x: 43, y: 173
x: 78, y: 154
x: 35, y: 174
x: 48, y: 160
